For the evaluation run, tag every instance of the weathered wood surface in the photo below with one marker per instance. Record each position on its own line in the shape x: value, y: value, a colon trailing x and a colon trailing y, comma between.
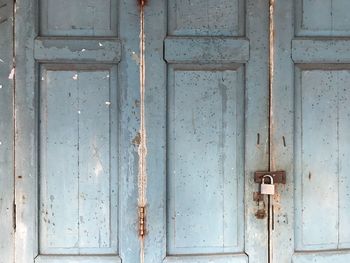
x: 6, y: 132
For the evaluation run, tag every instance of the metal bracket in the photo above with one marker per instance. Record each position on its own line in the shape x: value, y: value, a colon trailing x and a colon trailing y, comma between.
x: 279, y: 177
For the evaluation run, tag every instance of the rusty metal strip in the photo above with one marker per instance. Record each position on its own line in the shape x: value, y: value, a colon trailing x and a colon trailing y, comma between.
x: 271, y: 124
x: 142, y: 149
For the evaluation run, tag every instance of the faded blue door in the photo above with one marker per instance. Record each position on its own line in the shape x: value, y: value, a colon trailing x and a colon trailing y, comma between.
x: 76, y: 199
x: 310, y: 137
x: 208, y: 127
x: 206, y: 116
x: 78, y: 117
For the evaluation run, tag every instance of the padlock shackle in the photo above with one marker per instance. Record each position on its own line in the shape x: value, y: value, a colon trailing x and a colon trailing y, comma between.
x: 267, y: 175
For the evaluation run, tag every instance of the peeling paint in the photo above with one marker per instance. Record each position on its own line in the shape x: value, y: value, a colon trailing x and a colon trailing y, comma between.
x: 12, y: 73
x: 135, y: 57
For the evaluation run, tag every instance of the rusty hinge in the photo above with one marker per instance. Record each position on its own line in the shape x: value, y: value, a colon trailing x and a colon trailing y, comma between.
x: 142, y: 221
x: 14, y: 216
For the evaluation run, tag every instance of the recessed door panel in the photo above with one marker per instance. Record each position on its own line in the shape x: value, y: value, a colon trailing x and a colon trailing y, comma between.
x: 73, y: 191
x: 321, y: 156
x: 78, y: 161
x: 78, y: 17
x: 205, y: 160
x: 209, y: 18
x: 310, y: 138
x: 322, y: 18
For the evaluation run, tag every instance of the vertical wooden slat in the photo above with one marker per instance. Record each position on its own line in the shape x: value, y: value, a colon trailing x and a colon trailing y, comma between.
x: 155, y: 92
x: 25, y: 136
x: 94, y: 160
x: 256, y: 126
x: 59, y: 168
x: 282, y: 140
x: 6, y: 132
x: 129, y: 126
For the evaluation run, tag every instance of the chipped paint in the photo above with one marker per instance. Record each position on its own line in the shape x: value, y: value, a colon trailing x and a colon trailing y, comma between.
x: 135, y: 57
x: 12, y: 74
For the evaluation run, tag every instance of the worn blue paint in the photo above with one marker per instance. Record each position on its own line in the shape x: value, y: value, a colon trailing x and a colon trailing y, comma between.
x: 77, y: 119
x: 197, y: 107
x: 310, y: 126
x: 76, y: 165
x: 6, y: 133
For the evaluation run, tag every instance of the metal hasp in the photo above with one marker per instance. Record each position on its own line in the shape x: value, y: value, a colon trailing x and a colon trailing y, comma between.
x: 279, y: 177
x: 142, y: 218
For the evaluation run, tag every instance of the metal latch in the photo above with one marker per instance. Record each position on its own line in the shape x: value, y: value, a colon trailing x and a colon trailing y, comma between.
x: 142, y: 223
x: 279, y: 177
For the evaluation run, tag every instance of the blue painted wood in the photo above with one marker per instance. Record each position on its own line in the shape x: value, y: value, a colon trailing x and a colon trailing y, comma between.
x: 6, y: 133
x: 80, y: 259
x: 322, y: 18
x: 208, y: 18
x: 206, y: 50
x: 310, y: 133
x: 322, y: 174
x: 321, y: 51
x: 76, y: 165
x: 322, y: 257
x: 197, y: 106
x: 208, y: 258
x: 78, y: 161
x: 84, y: 50
x: 79, y: 18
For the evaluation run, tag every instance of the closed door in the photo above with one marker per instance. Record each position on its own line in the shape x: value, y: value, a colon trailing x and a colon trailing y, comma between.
x: 206, y: 116
x: 310, y: 131
x: 139, y: 126
x: 76, y: 197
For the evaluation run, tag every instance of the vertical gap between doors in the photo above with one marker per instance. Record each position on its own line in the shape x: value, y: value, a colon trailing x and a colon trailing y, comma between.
x: 271, y: 83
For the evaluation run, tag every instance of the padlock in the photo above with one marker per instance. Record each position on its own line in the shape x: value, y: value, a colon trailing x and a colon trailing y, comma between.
x: 267, y: 189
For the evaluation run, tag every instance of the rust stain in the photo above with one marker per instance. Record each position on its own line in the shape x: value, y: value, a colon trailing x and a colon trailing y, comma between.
x: 137, y: 139
x: 142, y: 148
x: 261, y: 213
x: 142, y: 3
x: 277, y: 201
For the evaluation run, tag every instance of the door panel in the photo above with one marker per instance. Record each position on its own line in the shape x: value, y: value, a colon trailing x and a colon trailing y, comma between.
x: 81, y: 18
x: 313, y: 218
x: 321, y: 158
x: 73, y: 192
x: 199, y: 152
x: 78, y: 161
x: 205, y: 160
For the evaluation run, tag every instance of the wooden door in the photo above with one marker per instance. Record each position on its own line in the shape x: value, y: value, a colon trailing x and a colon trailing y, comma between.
x: 76, y: 89
x: 207, y: 130
x: 310, y: 131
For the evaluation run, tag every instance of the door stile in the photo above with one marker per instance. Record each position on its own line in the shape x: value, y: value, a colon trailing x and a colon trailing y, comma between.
x: 256, y: 125
x: 129, y: 82
x: 7, y: 211
x: 282, y: 133
x: 26, y: 117
x: 155, y: 123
